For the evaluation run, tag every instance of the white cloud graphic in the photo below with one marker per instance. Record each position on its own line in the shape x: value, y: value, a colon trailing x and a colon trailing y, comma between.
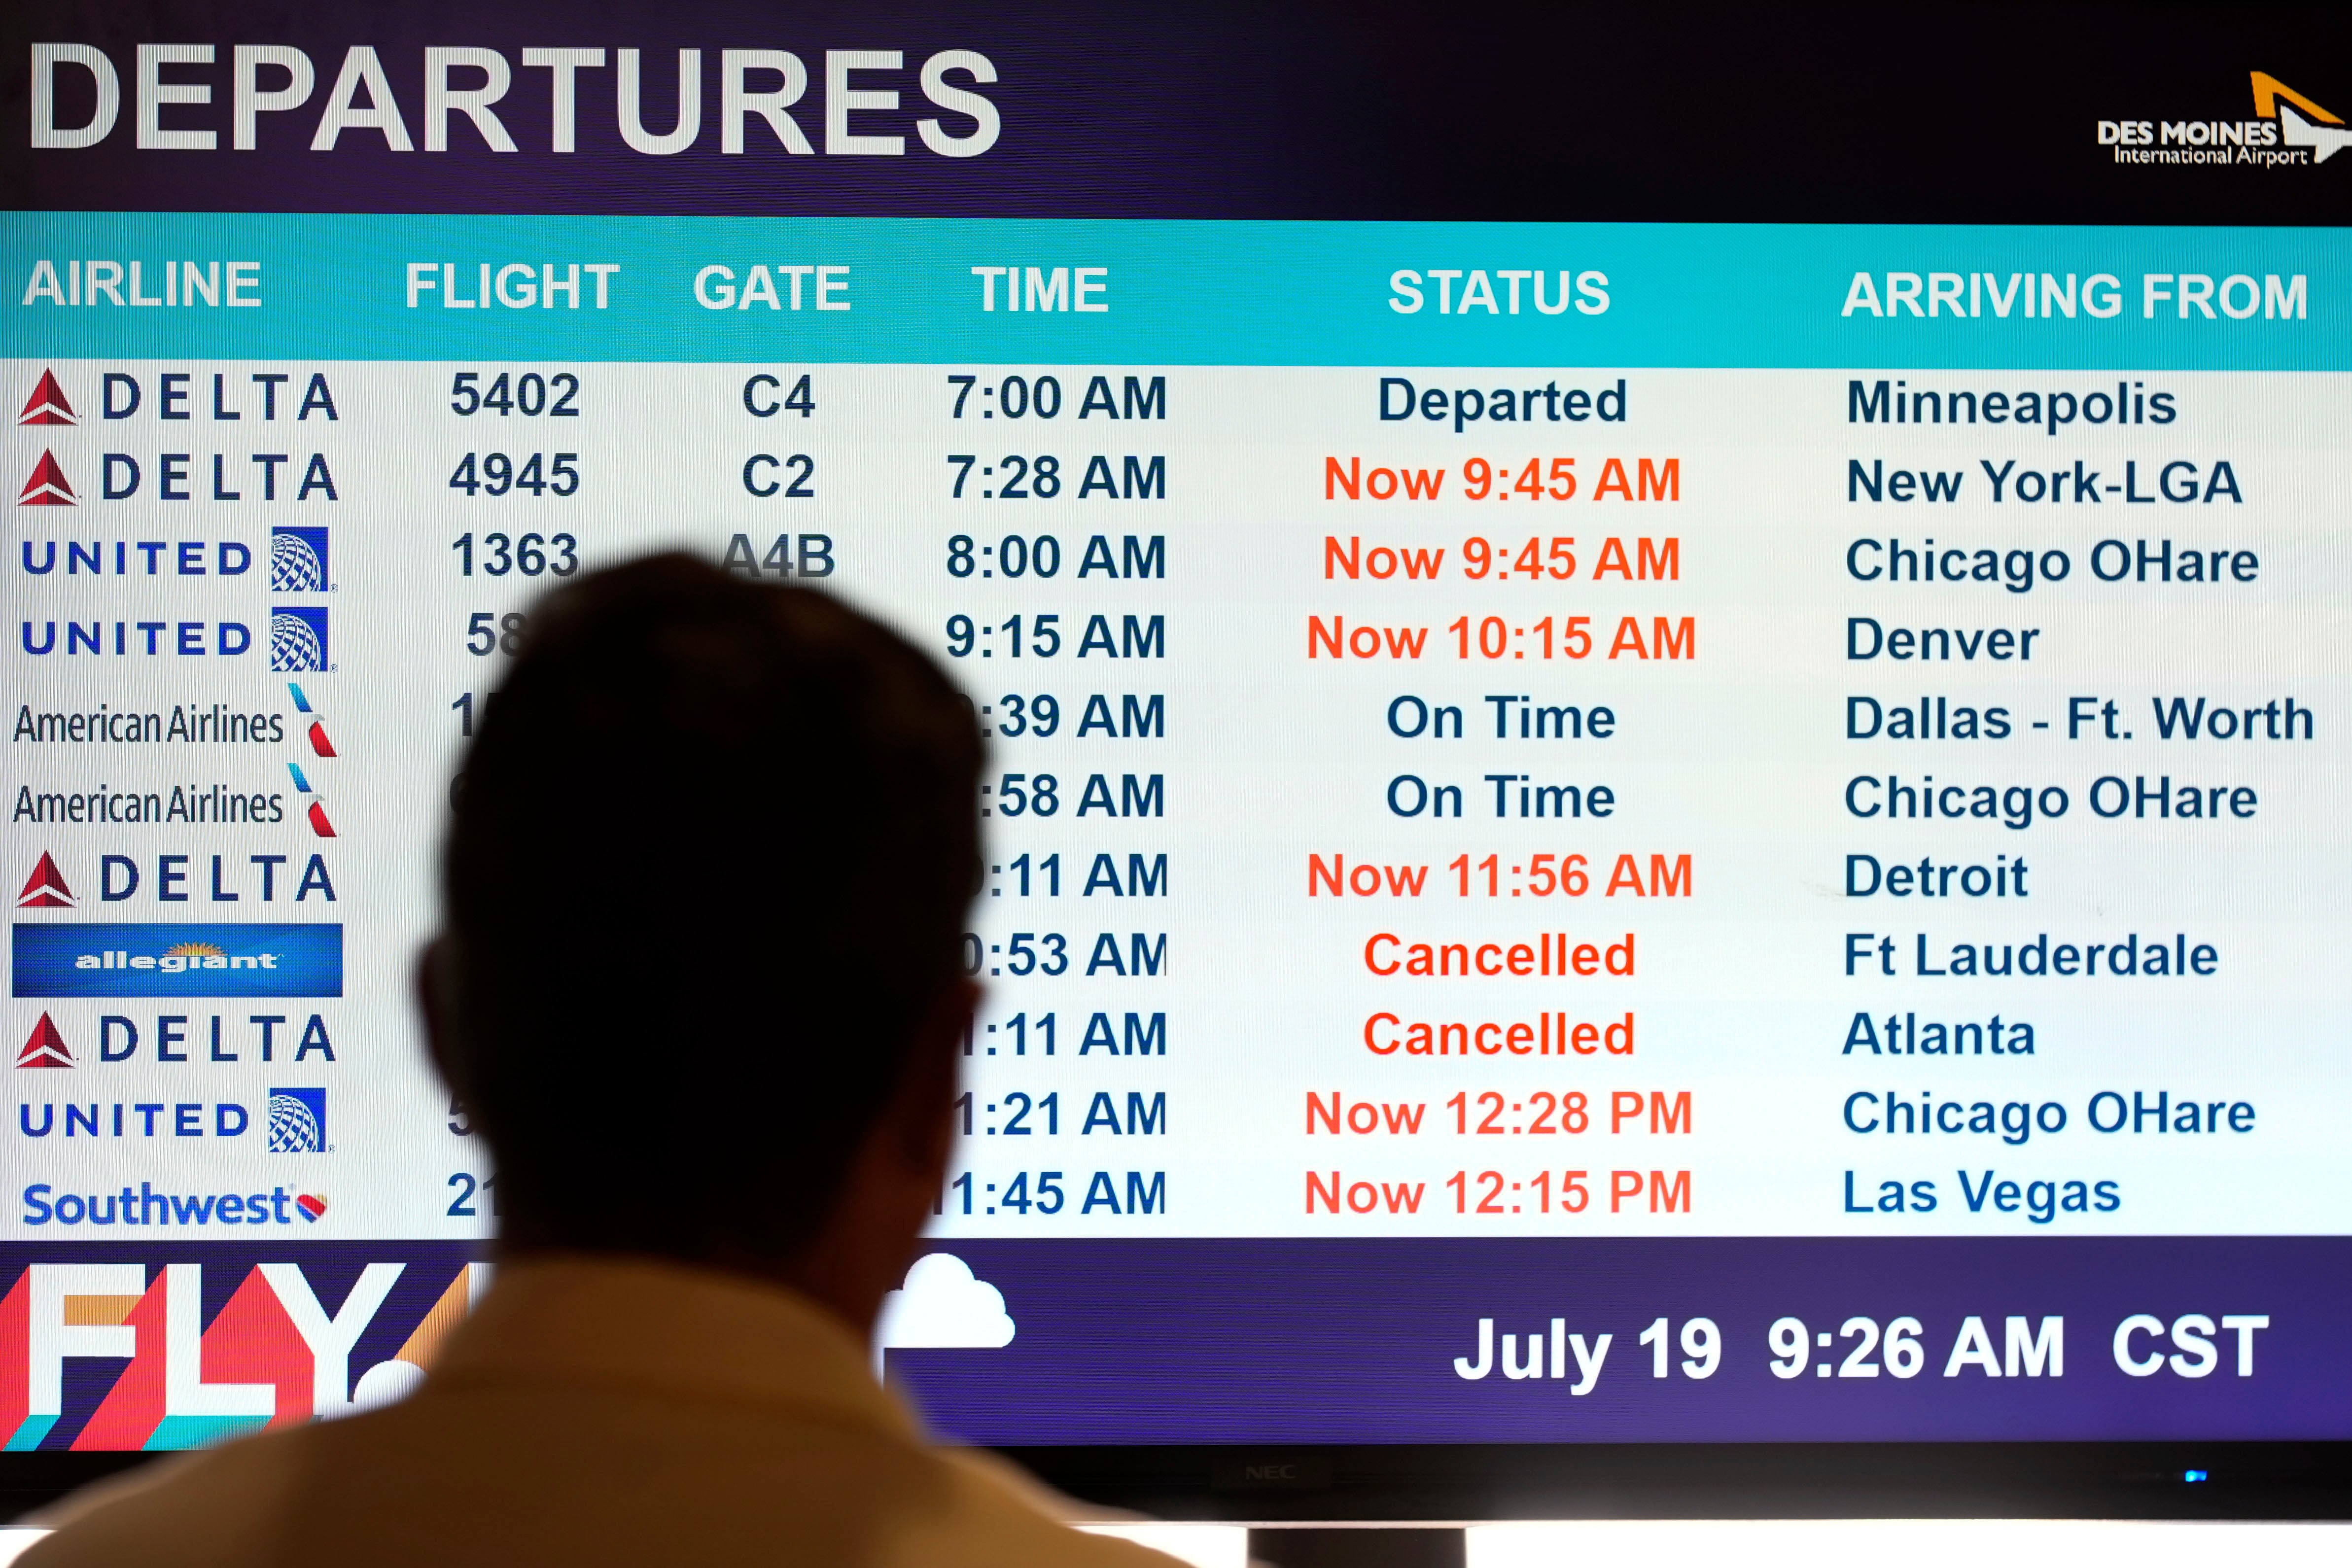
x: 942, y: 1306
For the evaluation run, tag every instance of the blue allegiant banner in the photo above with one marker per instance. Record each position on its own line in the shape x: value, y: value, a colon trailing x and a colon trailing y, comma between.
x: 176, y: 959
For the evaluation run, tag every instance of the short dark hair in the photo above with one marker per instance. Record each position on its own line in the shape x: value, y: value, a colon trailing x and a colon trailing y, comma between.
x: 713, y: 848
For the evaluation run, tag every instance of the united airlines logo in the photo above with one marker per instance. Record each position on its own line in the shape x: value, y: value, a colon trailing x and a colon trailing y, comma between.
x: 298, y: 638
x: 141, y: 959
x: 298, y: 560
x: 298, y: 1123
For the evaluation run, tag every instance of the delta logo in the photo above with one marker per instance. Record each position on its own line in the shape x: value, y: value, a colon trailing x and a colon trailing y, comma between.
x: 174, y: 1038
x: 48, y: 405
x: 47, y: 486
x: 298, y: 560
x: 185, y: 878
x: 297, y: 637
x: 45, y: 1047
x: 113, y: 1356
x: 45, y: 888
x: 162, y: 959
x: 2288, y: 130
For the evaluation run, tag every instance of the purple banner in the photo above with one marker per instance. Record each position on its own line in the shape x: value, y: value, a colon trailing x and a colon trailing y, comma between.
x: 1395, y: 109
x: 1799, y: 1340
x: 1374, y: 1340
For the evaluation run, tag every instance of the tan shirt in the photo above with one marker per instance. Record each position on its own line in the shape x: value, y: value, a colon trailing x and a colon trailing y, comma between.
x: 597, y: 1412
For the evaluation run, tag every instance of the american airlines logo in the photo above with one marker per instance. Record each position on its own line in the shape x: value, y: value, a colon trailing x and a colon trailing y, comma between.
x: 198, y: 97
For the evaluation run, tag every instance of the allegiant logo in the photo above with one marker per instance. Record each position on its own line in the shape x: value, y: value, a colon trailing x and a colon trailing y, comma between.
x: 178, y: 960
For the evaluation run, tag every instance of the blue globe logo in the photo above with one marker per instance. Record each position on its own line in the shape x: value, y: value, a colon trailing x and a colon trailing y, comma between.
x: 294, y: 644
x: 294, y: 566
x: 296, y: 1127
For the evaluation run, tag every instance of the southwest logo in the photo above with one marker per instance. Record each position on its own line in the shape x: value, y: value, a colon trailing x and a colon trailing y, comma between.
x: 47, y: 404
x: 48, y: 487
x: 298, y: 560
x: 319, y: 744
x: 2295, y: 130
x: 45, y: 1047
x: 45, y: 888
x: 311, y: 1205
x: 317, y: 809
x: 297, y: 1126
x: 143, y: 959
x: 298, y: 638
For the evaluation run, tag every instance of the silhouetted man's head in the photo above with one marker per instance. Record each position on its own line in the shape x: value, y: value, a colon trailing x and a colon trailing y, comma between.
x: 705, y: 894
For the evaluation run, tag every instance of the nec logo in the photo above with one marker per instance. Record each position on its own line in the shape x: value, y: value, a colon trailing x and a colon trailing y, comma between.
x: 77, y: 99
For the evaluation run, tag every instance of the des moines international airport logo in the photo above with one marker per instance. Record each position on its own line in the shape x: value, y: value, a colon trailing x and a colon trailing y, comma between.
x: 2287, y: 131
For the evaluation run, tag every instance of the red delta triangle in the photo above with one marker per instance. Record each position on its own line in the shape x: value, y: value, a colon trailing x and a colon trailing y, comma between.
x: 48, y: 405
x: 45, y: 888
x: 48, y: 487
x: 45, y: 1047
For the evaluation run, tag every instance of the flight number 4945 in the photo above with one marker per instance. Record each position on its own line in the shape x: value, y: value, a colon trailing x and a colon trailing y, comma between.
x: 496, y: 474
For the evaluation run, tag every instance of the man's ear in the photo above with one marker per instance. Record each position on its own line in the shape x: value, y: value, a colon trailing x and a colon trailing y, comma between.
x: 437, y: 1000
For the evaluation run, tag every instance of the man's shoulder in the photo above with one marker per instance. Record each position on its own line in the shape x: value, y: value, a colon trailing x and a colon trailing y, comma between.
x: 377, y: 1486
x: 211, y: 1510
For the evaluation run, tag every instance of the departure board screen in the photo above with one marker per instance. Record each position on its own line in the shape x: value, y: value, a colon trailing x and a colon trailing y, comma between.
x: 1648, y: 793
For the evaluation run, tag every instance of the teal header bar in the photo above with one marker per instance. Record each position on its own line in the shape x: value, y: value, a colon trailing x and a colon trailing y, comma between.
x: 278, y: 286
